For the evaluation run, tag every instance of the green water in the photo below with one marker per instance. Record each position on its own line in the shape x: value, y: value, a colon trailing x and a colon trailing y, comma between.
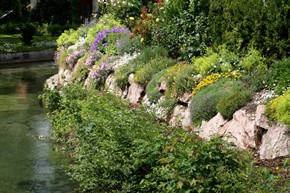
x: 29, y: 162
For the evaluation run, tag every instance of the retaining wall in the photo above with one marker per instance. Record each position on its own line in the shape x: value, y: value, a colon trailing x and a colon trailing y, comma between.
x: 23, y: 57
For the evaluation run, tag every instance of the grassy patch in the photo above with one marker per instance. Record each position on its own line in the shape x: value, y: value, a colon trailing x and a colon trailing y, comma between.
x: 12, y: 43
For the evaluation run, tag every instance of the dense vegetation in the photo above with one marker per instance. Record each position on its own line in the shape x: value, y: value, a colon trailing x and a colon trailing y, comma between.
x: 116, y: 149
x: 219, y: 51
x: 48, y: 19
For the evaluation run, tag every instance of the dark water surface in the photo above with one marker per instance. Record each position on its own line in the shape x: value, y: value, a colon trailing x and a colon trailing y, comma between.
x: 29, y: 162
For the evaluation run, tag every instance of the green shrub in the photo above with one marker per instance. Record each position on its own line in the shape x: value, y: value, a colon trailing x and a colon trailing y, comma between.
x: 183, y: 28
x: 279, y: 73
x: 67, y: 38
x: 279, y: 109
x: 207, y: 64
x: 137, y: 63
x: 152, y: 91
x: 253, y: 60
x: 116, y: 149
x: 189, y: 164
x: 28, y: 30
x: 181, y: 78
x: 264, y: 26
x: 10, y: 28
x: 55, y: 29
x: 224, y: 96
x: 144, y: 74
x: 232, y: 102
x: 204, y: 102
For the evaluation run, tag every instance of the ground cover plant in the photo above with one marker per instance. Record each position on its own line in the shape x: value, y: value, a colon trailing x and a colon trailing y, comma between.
x: 224, y: 95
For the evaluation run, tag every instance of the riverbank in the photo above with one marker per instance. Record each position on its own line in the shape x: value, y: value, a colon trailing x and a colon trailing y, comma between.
x: 26, y: 57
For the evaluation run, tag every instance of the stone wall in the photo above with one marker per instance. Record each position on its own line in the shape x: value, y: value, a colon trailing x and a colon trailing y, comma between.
x: 23, y: 57
x: 248, y: 129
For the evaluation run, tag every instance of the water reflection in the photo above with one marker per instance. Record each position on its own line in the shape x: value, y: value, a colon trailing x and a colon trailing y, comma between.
x: 28, y: 162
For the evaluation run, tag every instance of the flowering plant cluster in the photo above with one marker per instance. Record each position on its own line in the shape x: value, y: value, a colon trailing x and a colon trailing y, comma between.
x: 74, y: 56
x: 102, y: 35
x: 101, y: 73
x: 147, y: 24
x: 92, y: 58
x: 210, y: 79
x: 161, y: 109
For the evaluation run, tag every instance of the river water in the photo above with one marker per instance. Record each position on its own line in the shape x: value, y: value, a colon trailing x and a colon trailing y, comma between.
x: 29, y: 162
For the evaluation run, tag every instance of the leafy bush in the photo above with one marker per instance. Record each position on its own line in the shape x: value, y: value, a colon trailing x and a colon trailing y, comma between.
x: 204, y: 102
x: 125, y: 9
x: 264, y: 26
x: 137, y: 63
x: 55, y: 29
x: 279, y: 73
x: 28, y: 30
x: 211, y: 79
x: 144, y: 74
x: 67, y: 38
x: 192, y: 165
x: 181, y: 78
x: 224, y: 96
x: 279, y: 109
x: 9, y: 28
x: 116, y: 149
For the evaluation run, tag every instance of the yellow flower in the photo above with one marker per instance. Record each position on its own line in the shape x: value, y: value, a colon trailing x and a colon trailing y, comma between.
x: 142, y: 40
x: 131, y: 18
x: 157, y: 19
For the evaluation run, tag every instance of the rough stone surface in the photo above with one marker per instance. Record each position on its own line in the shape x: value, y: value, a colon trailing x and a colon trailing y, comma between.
x: 276, y: 142
x: 112, y: 87
x: 178, y: 115
x: 240, y: 130
x: 212, y: 127
x: 88, y: 81
x: 186, y: 122
x: 261, y: 119
x: 250, y: 131
x: 185, y: 98
x: 64, y: 76
x: 134, y: 91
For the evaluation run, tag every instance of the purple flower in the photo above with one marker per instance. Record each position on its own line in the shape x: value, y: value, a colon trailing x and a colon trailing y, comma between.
x: 103, y: 34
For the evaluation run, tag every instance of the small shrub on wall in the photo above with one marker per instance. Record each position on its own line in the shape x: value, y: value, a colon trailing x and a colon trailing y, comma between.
x: 181, y: 78
x: 224, y: 95
x: 279, y: 108
x: 279, y: 73
x: 233, y: 101
x: 144, y: 74
x: 203, y: 103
